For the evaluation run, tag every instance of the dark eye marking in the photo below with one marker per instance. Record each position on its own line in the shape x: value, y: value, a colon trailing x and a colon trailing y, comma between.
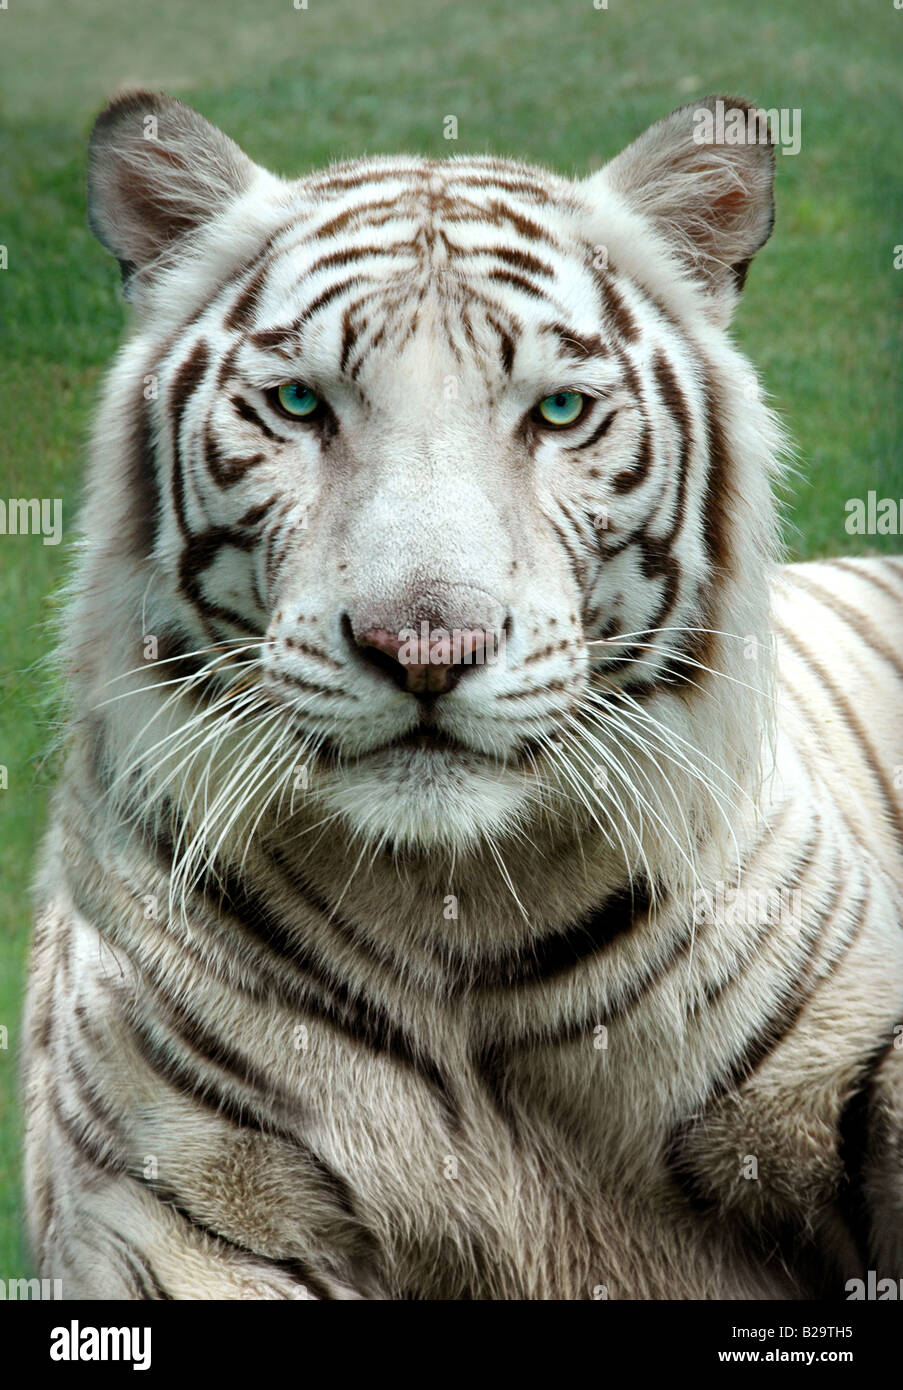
x: 597, y: 433
x: 247, y: 412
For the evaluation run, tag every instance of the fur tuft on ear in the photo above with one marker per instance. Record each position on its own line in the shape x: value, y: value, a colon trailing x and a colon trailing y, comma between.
x: 704, y: 178
x: 157, y: 171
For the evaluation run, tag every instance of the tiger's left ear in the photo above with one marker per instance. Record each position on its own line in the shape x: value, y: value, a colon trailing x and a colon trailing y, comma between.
x: 157, y: 173
x: 713, y: 201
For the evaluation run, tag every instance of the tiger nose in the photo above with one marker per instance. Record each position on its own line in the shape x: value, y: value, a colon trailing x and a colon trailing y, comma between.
x: 426, y: 664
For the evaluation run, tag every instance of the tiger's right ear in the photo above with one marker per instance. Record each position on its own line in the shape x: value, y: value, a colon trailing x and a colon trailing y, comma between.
x: 157, y: 171
x: 708, y: 192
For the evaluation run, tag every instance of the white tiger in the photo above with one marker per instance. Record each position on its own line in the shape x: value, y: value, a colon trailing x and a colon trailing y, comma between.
x: 454, y: 891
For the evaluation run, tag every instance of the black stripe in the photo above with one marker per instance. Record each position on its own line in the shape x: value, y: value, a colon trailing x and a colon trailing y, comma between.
x: 365, y: 352
x: 597, y: 433
x: 187, y: 380
x: 497, y: 211
x: 224, y: 370
x: 812, y: 718
x: 491, y: 1063
x: 340, y: 221
x: 351, y: 331
x: 201, y: 550
x: 145, y: 1281
x: 857, y: 1142
x: 713, y: 991
x: 573, y: 344
x: 516, y: 281
x: 878, y: 582
x: 631, y: 477
x: 226, y: 470
x: 108, y: 1164
x: 242, y: 312
x: 638, y: 990
x: 335, y: 1002
x: 296, y: 1269
x: 854, y: 726
x: 523, y: 260
x: 202, y: 1089
x: 142, y: 482
x: 507, y: 346
x: 858, y: 622
x: 716, y: 522
x: 211, y: 1049
x: 782, y: 1021
x: 358, y: 178
x: 614, y: 307
x: 577, y: 563
x: 247, y: 412
x: 97, y: 1155
x: 561, y: 951
x: 356, y: 253
x: 536, y: 962
x: 189, y: 1030
x: 325, y: 297
x: 519, y: 187
x: 91, y: 1101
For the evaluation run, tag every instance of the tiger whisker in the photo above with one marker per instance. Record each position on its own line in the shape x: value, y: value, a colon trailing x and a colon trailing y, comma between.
x: 665, y: 749
x: 176, y: 680
x: 167, y: 704
x: 183, y: 656
x: 184, y: 869
x: 641, y: 800
x: 569, y: 774
x: 674, y: 654
x: 641, y: 713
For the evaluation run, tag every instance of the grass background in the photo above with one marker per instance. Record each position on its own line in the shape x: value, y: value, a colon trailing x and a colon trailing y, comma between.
x: 550, y: 81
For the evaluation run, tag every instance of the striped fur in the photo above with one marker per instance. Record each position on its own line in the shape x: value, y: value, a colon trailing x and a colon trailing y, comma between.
x: 321, y: 1008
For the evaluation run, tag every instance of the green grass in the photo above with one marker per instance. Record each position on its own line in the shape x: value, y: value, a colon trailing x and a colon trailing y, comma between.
x: 554, y: 82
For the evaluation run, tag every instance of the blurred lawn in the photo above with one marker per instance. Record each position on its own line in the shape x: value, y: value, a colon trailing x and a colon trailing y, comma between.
x: 555, y: 82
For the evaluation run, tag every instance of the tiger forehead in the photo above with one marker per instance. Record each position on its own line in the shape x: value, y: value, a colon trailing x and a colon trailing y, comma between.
x: 489, y: 240
x: 436, y: 216
x: 449, y: 187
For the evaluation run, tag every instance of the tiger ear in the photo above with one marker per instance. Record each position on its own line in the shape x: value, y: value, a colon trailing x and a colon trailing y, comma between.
x: 157, y: 171
x: 711, y: 199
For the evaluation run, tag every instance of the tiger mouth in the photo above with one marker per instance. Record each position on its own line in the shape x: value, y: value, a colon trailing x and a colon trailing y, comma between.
x: 430, y: 740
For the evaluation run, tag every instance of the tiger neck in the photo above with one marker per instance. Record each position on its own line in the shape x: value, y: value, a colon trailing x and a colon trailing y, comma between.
x: 508, y: 894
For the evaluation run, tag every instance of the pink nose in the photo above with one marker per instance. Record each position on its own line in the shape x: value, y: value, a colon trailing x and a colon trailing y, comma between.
x: 427, y: 664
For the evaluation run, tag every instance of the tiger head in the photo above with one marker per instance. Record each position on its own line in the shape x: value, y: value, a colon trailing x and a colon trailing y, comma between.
x: 442, y: 477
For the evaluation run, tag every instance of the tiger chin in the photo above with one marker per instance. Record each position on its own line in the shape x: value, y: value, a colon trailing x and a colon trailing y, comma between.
x: 477, y: 871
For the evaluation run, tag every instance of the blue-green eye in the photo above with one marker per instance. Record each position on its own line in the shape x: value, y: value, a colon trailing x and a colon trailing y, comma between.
x: 561, y: 409
x: 297, y: 399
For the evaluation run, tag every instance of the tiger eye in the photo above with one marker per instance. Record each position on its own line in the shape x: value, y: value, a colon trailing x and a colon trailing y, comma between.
x: 297, y: 399
x: 562, y: 408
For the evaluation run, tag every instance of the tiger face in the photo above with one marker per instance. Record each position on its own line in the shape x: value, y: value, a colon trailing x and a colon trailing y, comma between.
x: 443, y: 461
